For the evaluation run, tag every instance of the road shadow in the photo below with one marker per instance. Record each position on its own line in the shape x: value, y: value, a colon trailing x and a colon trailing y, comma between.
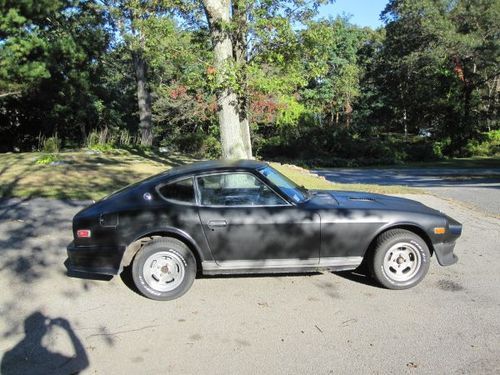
x: 32, y: 355
x: 85, y: 275
x: 358, y: 276
x: 258, y: 275
x: 413, y: 178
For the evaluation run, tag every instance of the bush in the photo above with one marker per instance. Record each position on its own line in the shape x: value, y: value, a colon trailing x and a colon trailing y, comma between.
x: 423, y: 151
x: 108, y: 140
x: 211, y: 148
x: 487, y: 145
x: 50, y: 145
x: 199, y: 145
x: 105, y: 147
x: 439, y: 147
x: 46, y: 159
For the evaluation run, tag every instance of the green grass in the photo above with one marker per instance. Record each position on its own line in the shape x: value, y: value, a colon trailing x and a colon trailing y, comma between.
x: 81, y: 176
x: 472, y: 162
x: 311, y: 181
x: 90, y: 175
x: 464, y: 163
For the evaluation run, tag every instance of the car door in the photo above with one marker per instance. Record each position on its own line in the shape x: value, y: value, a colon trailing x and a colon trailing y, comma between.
x: 246, y: 220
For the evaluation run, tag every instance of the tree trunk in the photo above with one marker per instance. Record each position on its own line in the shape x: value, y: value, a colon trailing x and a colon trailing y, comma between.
x: 348, y: 114
x: 218, y: 15
x: 143, y: 100
x: 466, y: 130
x: 83, y: 133
x: 240, y: 56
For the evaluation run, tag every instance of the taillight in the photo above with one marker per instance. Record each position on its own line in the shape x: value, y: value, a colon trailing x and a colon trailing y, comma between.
x: 83, y: 233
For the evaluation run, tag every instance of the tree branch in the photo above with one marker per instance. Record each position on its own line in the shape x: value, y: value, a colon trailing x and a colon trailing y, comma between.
x: 10, y: 93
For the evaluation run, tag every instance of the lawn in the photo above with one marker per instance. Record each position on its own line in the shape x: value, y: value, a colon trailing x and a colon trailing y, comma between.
x: 472, y: 162
x: 89, y: 175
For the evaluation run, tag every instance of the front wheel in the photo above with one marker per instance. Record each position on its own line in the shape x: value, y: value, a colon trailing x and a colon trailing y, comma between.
x: 164, y: 269
x: 401, y: 259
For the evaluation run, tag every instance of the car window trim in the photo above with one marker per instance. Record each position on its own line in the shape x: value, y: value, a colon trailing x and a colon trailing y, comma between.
x: 198, y: 192
x: 287, y: 197
x: 175, y: 201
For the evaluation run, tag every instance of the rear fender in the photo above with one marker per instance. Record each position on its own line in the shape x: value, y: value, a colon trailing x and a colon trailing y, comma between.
x: 147, y: 236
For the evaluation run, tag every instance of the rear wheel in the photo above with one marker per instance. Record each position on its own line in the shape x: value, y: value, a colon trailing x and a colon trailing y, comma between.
x: 401, y: 259
x: 164, y: 269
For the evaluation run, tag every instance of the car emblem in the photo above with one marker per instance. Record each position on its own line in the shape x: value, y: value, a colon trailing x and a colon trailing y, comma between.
x: 147, y: 196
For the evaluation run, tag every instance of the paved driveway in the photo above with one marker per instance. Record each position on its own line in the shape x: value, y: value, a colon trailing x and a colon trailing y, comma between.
x: 317, y: 324
x: 478, y: 187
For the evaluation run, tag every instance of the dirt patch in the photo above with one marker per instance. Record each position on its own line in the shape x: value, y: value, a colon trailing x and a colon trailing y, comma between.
x: 449, y: 286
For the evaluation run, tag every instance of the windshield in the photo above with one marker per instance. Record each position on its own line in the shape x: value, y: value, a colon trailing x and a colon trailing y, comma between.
x: 287, y: 186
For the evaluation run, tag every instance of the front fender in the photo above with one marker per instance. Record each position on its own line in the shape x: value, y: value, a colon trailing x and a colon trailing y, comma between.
x: 412, y: 227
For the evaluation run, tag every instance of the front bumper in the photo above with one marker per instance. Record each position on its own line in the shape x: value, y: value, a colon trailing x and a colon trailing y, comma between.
x: 444, y: 250
x: 444, y: 253
x: 104, y: 260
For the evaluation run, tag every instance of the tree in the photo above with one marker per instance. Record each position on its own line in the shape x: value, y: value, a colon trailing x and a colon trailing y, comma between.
x: 23, y: 49
x: 240, y: 30
x: 439, y: 55
x: 240, y: 53
x: 330, y: 54
x: 130, y: 19
x: 61, y: 95
x: 219, y: 18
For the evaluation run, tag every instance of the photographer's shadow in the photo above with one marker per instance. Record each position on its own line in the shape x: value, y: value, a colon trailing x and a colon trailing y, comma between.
x: 30, y: 356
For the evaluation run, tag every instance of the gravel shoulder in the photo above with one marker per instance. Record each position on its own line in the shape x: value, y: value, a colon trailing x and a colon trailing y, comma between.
x: 322, y: 323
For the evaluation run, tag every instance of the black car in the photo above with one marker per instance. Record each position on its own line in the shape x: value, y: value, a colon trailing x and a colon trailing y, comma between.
x: 244, y: 217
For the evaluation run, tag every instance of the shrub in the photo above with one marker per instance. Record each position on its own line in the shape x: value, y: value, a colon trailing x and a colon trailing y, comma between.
x: 487, y: 145
x: 102, y: 147
x: 46, y: 159
x: 198, y: 144
x: 439, y: 147
x: 211, y: 148
x: 101, y: 141
x: 108, y: 140
x: 51, y: 144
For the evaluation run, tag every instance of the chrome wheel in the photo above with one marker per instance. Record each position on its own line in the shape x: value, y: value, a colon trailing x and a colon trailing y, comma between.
x: 402, y: 261
x: 164, y: 271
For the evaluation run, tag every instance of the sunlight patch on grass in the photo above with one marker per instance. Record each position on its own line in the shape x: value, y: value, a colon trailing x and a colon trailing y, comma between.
x: 310, y: 180
x: 89, y: 175
x: 80, y: 175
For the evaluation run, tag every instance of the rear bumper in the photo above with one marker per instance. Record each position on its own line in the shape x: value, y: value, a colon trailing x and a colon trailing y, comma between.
x: 444, y: 253
x: 104, y: 260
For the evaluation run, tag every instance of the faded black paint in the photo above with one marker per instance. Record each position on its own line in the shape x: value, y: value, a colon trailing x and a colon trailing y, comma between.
x: 329, y: 224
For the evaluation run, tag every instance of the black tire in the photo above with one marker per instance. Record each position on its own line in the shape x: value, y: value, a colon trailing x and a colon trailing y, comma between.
x: 400, y: 260
x: 175, y: 258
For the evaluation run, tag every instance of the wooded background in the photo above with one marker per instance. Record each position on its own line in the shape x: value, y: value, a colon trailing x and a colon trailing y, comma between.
x: 243, y: 78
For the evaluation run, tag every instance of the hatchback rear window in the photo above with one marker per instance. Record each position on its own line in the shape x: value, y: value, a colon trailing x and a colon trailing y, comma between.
x: 181, y: 191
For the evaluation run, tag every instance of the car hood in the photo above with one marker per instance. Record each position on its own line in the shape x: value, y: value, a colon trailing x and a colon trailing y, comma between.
x: 366, y: 201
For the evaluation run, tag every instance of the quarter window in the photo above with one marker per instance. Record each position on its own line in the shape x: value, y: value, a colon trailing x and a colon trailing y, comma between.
x: 236, y: 189
x: 181, y: 191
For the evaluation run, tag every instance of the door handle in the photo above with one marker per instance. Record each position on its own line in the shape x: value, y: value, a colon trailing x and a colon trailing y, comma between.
x: 212, y: 224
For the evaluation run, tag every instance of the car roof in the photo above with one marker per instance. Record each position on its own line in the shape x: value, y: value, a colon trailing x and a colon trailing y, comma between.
x: 214, y: 165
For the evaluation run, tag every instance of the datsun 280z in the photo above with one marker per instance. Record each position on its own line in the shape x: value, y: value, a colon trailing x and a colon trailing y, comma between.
x: 244, y: 217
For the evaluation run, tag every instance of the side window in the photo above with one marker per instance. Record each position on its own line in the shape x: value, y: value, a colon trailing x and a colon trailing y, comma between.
x: 236, y: 189
x: 181, y: 191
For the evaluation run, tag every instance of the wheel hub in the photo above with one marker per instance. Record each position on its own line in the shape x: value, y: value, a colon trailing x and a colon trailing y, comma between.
x: 164, y: 271
x: 402, y: 262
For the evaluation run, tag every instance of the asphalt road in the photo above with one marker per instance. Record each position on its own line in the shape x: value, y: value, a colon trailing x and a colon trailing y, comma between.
x: 308, y: 324
x: 477, y: 187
